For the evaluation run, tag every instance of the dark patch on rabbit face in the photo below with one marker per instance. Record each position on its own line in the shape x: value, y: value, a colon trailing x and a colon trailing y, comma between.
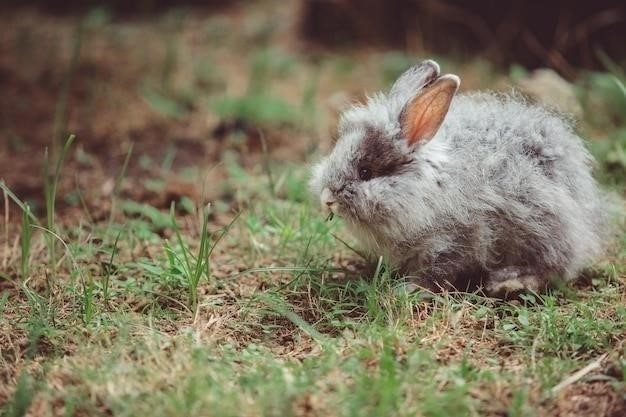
x: 380, y: 155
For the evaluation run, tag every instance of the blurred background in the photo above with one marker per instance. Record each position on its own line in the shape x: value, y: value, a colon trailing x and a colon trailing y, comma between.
x: 181, y: 96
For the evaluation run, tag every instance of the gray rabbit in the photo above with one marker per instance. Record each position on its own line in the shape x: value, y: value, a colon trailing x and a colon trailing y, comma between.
x: 459, y: 191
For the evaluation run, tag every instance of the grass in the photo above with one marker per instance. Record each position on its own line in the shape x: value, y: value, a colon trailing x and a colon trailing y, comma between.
x: 50, y: 195
x: 259, y: 306
x: 301, y: 333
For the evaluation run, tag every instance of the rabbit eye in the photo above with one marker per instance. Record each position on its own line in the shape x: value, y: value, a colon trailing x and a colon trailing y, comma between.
x: 365, y: 173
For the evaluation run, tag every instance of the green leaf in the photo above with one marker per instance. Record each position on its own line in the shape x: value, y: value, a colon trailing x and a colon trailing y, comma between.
x: 522, y: 318
x: 259, y: 109
x: 162, y: 104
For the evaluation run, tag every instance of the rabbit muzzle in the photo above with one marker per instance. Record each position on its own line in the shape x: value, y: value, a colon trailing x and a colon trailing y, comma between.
x: 328, y: 200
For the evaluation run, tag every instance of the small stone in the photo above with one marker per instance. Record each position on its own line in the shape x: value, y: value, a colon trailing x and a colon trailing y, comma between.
x: 549, y: 88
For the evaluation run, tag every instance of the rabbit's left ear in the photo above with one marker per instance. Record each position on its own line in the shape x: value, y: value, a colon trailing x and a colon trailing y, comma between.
x: 424, y: 114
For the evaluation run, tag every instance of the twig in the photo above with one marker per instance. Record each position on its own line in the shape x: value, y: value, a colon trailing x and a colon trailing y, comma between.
x: 6, y: 228
x: 579, y: 374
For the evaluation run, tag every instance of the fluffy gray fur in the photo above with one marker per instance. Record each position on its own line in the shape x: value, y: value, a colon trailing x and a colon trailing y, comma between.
x: 504, y: 190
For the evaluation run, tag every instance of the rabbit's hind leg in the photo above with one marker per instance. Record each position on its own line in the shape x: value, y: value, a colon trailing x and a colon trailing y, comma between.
x: 510, y: 282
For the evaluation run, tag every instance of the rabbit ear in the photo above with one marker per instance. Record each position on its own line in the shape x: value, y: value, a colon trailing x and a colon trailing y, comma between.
x: 415, y: 78
x: 424, y: 114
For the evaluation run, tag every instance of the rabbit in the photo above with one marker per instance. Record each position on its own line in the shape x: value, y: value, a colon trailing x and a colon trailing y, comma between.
x: 477, y: 190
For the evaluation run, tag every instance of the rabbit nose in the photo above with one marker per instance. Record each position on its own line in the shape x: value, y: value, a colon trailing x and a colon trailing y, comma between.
x: 327, y: 199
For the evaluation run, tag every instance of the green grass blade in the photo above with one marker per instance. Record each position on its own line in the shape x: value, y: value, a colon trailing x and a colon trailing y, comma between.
x: 25, y: 241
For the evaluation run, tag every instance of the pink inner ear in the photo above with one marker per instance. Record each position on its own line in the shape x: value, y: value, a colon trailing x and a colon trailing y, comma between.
x: 425, y: 113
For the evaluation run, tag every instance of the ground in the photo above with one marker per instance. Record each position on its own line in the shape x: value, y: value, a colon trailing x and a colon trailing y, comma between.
x: 174, y: 264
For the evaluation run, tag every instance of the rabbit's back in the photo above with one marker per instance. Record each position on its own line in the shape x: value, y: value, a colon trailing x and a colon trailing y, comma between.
x: 525, y: 177
x: 495, y: 128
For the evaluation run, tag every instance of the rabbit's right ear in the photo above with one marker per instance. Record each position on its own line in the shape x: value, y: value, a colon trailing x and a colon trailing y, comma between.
x: 424, y: 114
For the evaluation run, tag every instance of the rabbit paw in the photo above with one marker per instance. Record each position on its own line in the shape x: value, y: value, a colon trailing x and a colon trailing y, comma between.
x: 408, y: 288
x: 511, y: 281
x: 413, y: 284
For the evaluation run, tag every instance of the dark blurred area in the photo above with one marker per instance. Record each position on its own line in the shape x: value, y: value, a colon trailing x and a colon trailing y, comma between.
x: 116, y: 7
x: 561, y: 34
